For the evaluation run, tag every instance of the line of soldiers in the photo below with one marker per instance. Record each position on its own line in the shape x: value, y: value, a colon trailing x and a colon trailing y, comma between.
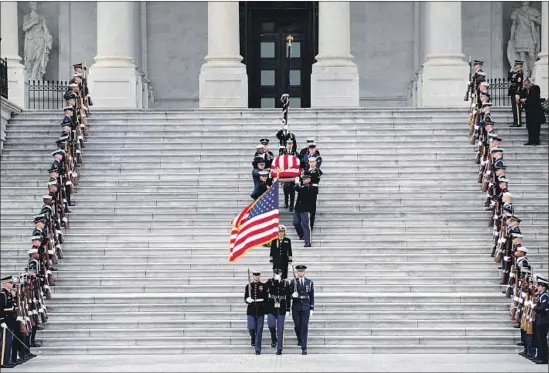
x: 530, y: 300
x: 23, y: 298
x: 276, y: 298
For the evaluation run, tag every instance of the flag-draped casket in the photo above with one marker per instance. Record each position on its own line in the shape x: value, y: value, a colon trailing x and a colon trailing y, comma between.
x: 286, y: 166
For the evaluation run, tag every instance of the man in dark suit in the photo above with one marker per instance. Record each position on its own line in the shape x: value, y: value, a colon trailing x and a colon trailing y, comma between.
x: 535, y: 117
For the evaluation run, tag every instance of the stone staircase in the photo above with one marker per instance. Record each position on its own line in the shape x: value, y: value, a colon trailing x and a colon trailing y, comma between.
x: 400, y: 254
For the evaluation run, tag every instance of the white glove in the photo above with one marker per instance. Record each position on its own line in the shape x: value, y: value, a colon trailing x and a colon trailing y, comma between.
x: 296, y: 180
x: 295, y: 294
x: 3, y: 325
x: 288, y: 313
x: 249, y: 300
x: 311, y: 313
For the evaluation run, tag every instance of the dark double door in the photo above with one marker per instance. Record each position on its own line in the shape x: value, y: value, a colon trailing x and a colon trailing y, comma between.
x: 265, y: 28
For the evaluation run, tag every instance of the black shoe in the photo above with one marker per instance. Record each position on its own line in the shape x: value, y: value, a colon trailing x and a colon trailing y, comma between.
x: 9, y: 365
x: 516, y: 326
x: 39, y: 327
x: 258, y: 353
x: 515, y: 125
x: 299, y: 343
x: 522, y: 353
x: 520, y: 344
x: 273, y: 343
x: 29, y: 356
x: 528, y: 143
x: 303, y: 352
x: 20, y: 361
x: 278, y: 352
x: 307, y: 245
x: 291, y: 209
x: 535, y: 144
x: 537, y: 361
x: 252, y: 344
x: 36, y: 345
x: 71, y: 203
x: 285, y: 205
x: 301, y: 237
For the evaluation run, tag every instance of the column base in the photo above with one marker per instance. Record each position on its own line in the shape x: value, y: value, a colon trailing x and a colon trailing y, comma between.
x: 16, y: 81
x: 223, y: 83
x: 541, y: 76
x: 113, y: 83
x: 334, y: 83
x: 444, y: 81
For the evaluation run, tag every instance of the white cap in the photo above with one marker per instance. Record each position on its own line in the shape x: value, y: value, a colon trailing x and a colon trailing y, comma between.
x: 33, y: 251
x: 523, y: 249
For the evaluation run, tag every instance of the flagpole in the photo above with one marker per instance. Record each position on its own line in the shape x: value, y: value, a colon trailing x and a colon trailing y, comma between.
x: 285, y: 98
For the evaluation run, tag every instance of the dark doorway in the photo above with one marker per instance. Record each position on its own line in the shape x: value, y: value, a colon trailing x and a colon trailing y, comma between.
x: 264, y: 27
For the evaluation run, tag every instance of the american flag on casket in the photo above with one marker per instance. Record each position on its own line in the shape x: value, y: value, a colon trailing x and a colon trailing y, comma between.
x: 286, y: 167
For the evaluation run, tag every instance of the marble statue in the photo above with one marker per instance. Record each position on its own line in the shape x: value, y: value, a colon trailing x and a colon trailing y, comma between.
x: 38, y: 44
x: 524, y: 43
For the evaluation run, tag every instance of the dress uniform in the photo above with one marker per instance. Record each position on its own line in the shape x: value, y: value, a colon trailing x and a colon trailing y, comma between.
x: 516, y: 78
x: 278, y: 305
x: 8, y: 324
x: 284, y: 136
x: 306, y: 149
x: 281, y: 252
x: 303, y: 208
x: 311, y: 153
x: 263, y: 185
x: 263, y: 152
x: 315, y: 173
x: 259, y: 165
x: 542, y: 320
x: 255, y: 295
x: 303, y: 306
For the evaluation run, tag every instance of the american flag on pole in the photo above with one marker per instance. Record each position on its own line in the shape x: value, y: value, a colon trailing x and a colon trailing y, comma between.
x: 256, y: 225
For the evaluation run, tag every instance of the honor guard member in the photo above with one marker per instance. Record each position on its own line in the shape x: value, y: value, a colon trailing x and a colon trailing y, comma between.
x: 67, y: 119
x: 259, y: 165
x: 303, y: 306
x: 255, y: 295
x: 283, y: 136
x: 264, y: 152
x: 303, y: 208
x: 315, y: 173
x: 542, y: 320
x: 311, y: 153
x: 278, y: 306
x: 516, y: 78
x: 306, y: 148
x: 263, y: 186
x: 281, y: 252
x: 7, y: 323
x: 35, y: 270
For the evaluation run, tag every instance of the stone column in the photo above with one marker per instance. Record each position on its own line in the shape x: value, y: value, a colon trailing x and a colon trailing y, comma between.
x: 223, y: 82
x: 9, y: 47
x: 542, y: 65
x: 113, y: 76
x: 445, y: 70
x: 334, y: 78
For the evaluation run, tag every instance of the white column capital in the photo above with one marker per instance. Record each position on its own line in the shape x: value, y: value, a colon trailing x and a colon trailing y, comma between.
x: 223, y: 81
x: 445, y: 71
x: 113, y: 77
x: 9, y: 31
x: 334, y: 78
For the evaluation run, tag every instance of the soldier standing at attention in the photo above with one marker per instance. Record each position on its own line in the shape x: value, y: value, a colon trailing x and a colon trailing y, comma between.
x: 542, y: 320
x: 303, y: 209
x: 278, y: 306
x: 516, y: 77
x: 255, y: 296
x: 303, y: 306
x: 281, y: 252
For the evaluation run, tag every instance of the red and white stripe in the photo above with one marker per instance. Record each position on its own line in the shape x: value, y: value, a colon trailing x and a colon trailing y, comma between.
x: 247, y: 234
x: 289, y: 166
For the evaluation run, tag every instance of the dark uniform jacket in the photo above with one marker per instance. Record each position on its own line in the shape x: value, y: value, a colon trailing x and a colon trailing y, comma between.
x: 256, y: 290
x: 279, y: 293
x: 305, y: 198
x: 303, y: 151
x: 7, y: 314
x: 542, y: 309
x: 306, y: 295
x: 267, y: 156
x: 281, y: 252
x: 283, y: 138
x: 516, y: 78
x: 305, y: 160
x: 67, y: 121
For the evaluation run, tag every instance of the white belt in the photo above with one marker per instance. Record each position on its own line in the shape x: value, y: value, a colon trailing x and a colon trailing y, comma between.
x: 315, y: 185
x: 258, y: 300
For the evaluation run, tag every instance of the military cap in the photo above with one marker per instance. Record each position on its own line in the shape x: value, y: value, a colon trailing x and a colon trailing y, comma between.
x: 481, y: 73
x: 39, y: 218
x: 53, y: 168
x: 73, y: 85
x: 58, y: 151
x: 488, y: 121
x: 33, y: 251
x: 523, y: 249
x: 487, y: 104
x: 260, y: 146
x: 496, y: 150
x: 499, y: 165
x: 497, y: 138
x: 486, y: 84
x: 52, y: 182
x: 77, y: 75
x: 492, y: 134
x: 507, y: 195
x: 300, y: 267
x: 264, y: 173
x: 503, y: 179
x: 256, y: 273
x: 259, y: 160
x: 46, y: 210
x: 7, y: 279
x: 47, y: 197
x: 542, y: 280
x: 312, y: 159
x: 478, y: 62
x: 305, y: 176
x: 68, y: 107
x: 36, y: 237
x: 264, y: 141
x: 312, y: 145
x: 519, y: 63
x: 310, y: 140
x: 281, y: 228
x: 516, y: 235
x: 77, y: 65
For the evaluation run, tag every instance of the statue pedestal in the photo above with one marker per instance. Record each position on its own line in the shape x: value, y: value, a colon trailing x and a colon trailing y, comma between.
x: 541, y: 76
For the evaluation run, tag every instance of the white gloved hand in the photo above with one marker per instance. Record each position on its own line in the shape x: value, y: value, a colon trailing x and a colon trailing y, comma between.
x: 295, y: 294
x: 296, y: 180
x: 249, y: 300
x: 288, y: 313
x: 3, y: 325
x: 311, y: 313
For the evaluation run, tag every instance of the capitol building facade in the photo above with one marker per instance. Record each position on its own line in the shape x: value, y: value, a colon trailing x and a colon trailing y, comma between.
x: 174, y: 55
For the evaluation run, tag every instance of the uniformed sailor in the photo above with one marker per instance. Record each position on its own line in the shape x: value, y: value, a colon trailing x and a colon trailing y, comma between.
x: 306, y: 148
x: 278, y: 306
x: 311, y: 153
x: 516, y: 77
x: 259, y: 165
x: 303, y: 208
x: 255, y: 295
x: 542, y: 320
x: 281, y: 252
x: 263, y: 186
x: 303, y: 306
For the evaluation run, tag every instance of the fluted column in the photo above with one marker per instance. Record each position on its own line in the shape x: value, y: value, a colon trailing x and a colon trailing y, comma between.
x: 223, y: 81
x: 542, y: 65
x: 9, y: 48
x: 445, y: 70
x: 334, y: 78
x: 113, y: 76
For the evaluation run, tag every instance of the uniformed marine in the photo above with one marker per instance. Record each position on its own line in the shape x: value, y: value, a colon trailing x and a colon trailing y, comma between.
x: 303, y: 306
x: 255, y: 295
x: 278, y: 306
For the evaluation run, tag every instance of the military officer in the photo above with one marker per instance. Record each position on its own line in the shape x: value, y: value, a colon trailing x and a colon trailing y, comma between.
x: 278, y: 306
x: 303, y: 306
x: 259, y: 165
x: 263, y: 186
x: 516, y: 77
x: 255, y: 295
x: 306, y: 148
x: 7, y: 323
x: 311, y: 153
x: 315, y: 173
x: 303, y: 208
x: 283, y: 136
x: 281, y: 252
x: 263, y: 151
x: 542, y: 320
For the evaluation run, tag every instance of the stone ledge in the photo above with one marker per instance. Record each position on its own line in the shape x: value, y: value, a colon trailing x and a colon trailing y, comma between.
x: 8, y: 109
